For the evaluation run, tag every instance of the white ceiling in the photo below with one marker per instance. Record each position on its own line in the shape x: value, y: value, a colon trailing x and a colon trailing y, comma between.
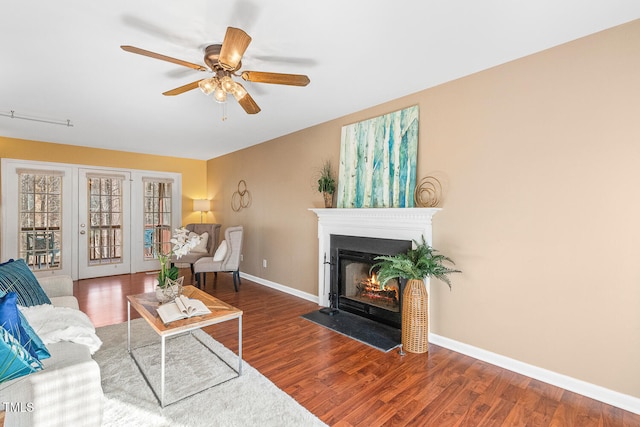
x: 62, y: 60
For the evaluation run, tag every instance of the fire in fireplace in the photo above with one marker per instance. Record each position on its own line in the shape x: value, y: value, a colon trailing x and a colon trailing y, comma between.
x: 355, y: 289
x: 371, y: 291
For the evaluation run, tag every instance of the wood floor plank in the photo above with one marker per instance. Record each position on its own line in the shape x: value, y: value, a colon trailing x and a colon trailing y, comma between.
x: 455, y: 410
x: 477, y: 411
x: 497, y: 415
x: 543, y: 412
x: 346, y: 383
x: 518, y: 416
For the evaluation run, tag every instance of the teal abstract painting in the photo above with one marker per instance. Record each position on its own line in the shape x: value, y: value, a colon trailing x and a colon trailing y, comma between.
x: 378, y: 161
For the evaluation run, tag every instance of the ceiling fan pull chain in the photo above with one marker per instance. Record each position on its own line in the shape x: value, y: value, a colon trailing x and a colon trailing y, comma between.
x: 224, y: 111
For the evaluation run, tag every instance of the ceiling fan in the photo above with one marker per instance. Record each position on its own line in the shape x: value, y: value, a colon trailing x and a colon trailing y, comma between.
x: 224, y: 61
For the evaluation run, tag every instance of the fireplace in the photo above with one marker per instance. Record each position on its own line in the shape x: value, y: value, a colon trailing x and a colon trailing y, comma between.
x: 354, y: 287
x: 404, y: 224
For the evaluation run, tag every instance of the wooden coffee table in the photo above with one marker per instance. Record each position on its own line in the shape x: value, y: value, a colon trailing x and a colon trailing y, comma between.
x: 146, y: 305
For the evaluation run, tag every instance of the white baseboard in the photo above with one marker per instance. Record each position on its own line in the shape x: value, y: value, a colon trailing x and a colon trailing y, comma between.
x: 285, y: 289
x: 605, y: 395
x: 602, y: 394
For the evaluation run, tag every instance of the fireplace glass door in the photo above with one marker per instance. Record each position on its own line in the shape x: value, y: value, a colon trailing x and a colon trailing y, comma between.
x: 354, y: 286
x: 360, y: 292
x: 362, y: 286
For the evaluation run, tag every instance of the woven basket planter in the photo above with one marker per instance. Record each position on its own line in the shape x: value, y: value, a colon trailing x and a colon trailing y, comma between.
x: 415, y: 317
x: 328, y: 199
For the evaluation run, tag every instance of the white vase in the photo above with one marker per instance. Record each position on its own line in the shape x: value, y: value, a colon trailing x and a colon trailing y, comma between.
x: 169, y: 292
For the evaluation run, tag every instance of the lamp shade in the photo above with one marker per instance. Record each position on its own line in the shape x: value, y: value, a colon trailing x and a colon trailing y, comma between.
x: 202, y: 205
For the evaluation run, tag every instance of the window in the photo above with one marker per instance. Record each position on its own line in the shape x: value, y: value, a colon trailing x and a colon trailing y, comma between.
x: 105, y: 219
x: 40, y: 219
x: 157, y: 216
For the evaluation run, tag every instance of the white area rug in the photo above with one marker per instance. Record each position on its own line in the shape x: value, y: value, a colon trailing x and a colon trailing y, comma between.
x: 249, y: 400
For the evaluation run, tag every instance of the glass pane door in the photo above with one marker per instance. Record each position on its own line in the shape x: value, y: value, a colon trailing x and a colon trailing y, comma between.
x: 104, y: 223
x: 105, y: 220
x: 40, y: 217
x: 157, y: 218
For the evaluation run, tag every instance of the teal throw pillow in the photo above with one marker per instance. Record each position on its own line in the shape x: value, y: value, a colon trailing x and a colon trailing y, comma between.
x: 15, y: 361
x: 15, y: 276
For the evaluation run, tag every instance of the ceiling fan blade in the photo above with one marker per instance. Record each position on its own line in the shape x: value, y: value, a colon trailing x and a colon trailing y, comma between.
x: 234, y: 45
x: 154, y: 55
x: 182, y: 89
x: 245, y: 100
x: 276, y: 78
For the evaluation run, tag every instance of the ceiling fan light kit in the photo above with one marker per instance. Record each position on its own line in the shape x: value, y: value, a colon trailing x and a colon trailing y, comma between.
x: 224, y: 60
x: 207, y: 86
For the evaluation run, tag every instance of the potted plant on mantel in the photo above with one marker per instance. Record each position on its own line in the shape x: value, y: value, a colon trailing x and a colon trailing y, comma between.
x: 326, y: 184
x: 415, y: 266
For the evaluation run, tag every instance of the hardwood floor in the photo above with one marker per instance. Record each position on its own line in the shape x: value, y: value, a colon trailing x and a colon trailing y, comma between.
x: 346, y: 383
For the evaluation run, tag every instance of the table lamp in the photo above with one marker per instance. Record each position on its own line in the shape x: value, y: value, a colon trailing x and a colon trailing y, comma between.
x: 202, y: 205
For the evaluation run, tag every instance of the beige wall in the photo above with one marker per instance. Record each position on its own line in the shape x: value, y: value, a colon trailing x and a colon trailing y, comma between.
x: 278, y: 226
x: 193, y: 171
x: 539, y: 162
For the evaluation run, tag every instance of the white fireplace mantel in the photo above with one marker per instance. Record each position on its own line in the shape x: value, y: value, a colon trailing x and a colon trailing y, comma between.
x: 384, y: 223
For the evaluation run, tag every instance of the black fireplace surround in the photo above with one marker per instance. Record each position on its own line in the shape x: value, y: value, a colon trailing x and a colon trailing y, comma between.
x: 353, y: 289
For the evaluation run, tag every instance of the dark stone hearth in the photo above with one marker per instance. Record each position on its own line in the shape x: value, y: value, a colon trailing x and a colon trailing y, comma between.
x: 375, y: 334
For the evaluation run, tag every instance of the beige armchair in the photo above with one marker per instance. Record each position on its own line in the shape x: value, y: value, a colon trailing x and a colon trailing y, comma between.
x: 213, y: 230
x: 228, y: 262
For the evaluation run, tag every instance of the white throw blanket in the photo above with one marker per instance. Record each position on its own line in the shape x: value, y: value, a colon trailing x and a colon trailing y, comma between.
x: 54, y: 324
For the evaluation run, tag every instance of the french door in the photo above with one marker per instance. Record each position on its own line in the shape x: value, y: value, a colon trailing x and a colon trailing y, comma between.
x: 86, y: 222
x: 104, y: 223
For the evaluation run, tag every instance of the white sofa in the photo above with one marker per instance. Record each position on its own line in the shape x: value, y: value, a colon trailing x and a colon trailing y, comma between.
x: 68, y: 391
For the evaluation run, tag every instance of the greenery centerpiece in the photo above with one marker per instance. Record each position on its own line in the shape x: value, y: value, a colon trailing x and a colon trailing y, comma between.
x: 169, y: 285
x: 327, y: 184
x: 415, y: 266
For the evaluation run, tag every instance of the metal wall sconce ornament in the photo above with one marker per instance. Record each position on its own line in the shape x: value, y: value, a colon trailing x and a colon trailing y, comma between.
x: 241, y: 198
x: 428, y: 193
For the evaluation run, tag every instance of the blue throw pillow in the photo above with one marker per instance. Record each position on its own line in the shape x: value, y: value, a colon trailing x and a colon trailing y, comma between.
x: 10, y: 320
x: 15, y: 361
x: 15, y: 276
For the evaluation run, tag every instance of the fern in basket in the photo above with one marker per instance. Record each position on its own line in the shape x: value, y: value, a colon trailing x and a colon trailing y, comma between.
x: 418, y: 263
